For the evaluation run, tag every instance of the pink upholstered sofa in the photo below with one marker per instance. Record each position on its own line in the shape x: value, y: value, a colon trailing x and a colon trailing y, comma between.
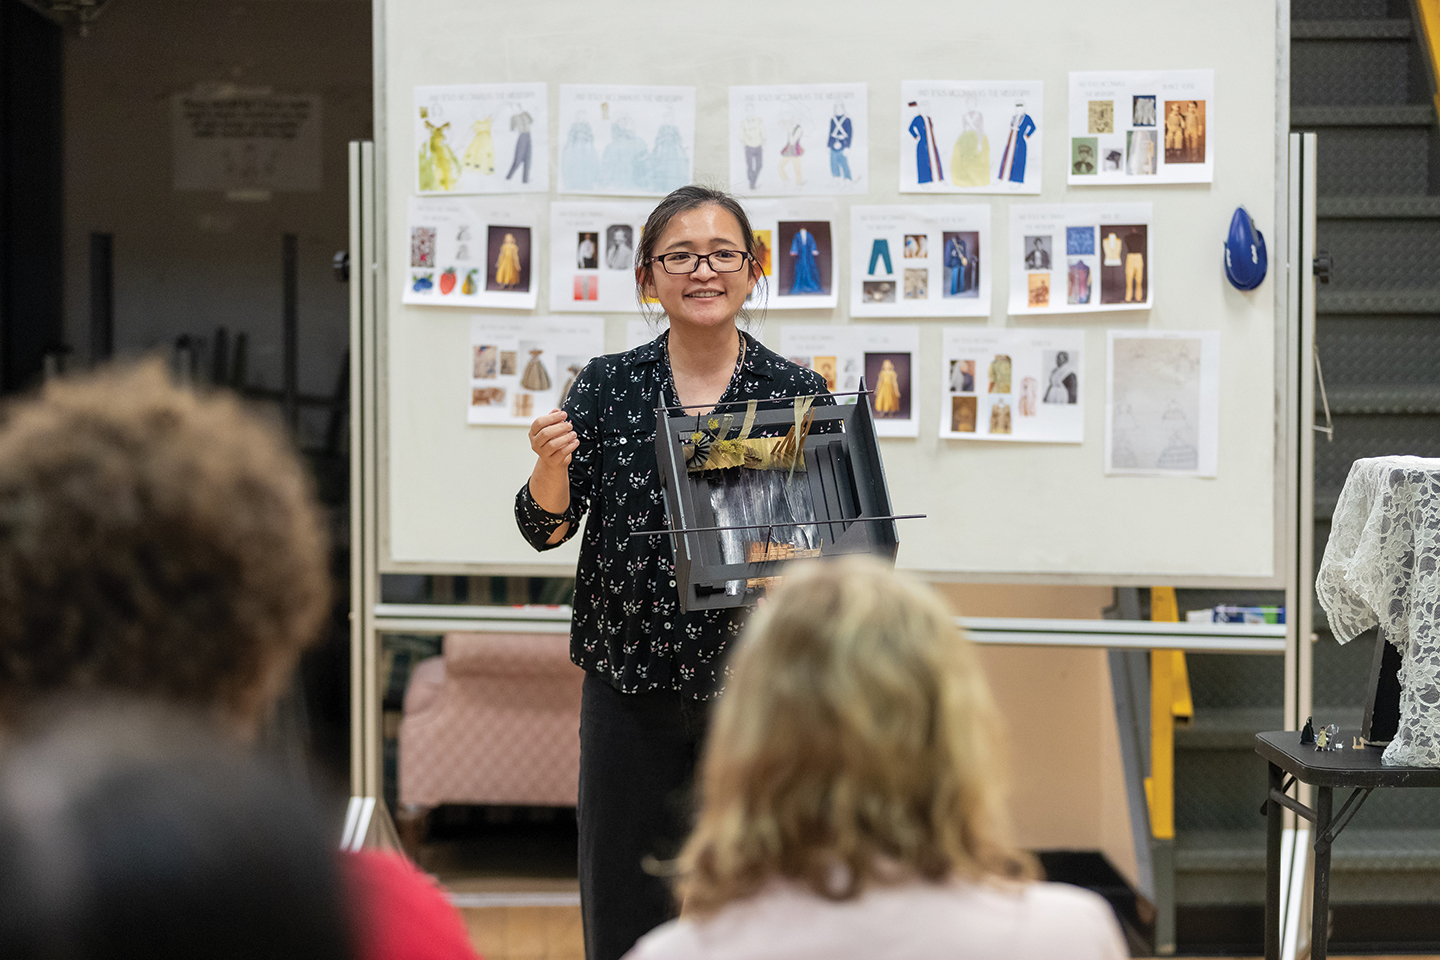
x: 494, y: 720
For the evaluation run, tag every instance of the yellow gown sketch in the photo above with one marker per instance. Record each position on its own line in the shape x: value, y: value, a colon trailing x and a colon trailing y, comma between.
x: 887, y: 392
x: 480, y: 155
x: 439, y: 170
x: 507, y: 265
x: 1000, y: 373
x: 970, y: 158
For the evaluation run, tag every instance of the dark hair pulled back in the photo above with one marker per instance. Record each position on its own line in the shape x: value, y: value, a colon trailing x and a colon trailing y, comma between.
x: 677, y: 202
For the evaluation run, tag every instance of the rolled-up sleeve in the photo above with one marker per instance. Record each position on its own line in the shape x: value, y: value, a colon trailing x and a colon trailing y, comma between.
x: 537, y: 525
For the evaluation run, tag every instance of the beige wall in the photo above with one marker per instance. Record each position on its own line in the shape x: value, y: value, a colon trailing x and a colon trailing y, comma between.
x: 1067, y: 783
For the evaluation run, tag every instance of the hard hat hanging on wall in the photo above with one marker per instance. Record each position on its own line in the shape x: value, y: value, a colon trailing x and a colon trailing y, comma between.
x: 1245, y: 260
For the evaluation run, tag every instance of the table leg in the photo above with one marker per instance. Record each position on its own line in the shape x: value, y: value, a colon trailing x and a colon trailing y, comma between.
x: 1273, y: 906
x: 1320, y: 907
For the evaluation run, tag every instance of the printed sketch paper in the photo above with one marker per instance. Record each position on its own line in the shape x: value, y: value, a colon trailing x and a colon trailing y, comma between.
x: 1012, y: 385
x: 971, y: 136
x: 482, y: 138
x: 626, y: 140
x: 1162, y: 407
x: 884, y: 355
x: 521, y: 366
x: 798, y: 255
x: 1080, y: 257
x: 1141, y: 127
x: 799, y: 140
x: 592, y: 254
x: 472, y: 252
x: 911, y: 260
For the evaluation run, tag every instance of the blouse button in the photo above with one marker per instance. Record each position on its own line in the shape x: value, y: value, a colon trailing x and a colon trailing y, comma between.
x: 667, y: 626
x: 672, y: 583
x: 622, y: 441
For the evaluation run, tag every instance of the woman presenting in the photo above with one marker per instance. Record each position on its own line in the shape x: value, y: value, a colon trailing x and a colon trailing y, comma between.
x: 650, y: 669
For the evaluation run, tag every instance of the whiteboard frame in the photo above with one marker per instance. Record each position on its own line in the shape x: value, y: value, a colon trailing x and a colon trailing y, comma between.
x: 1286, y: 350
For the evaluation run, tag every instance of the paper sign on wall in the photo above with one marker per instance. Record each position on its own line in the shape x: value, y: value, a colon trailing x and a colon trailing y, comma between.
x: 521, y: 367
x: 626, y: 140
x: 1162, y: 407
x: 1141, y: 127
x: 482, y: 138
x: 883, y: 354
x: 1009, y: 385
x: 1080, y: 257
x: 467, y: 252
x: 799, y: 139
x: 592, y: 254
x: 971, y: 136
x: 797, y: 253
x: 920, y: 261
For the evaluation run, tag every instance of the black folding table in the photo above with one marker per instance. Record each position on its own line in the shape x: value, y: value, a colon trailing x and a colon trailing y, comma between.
x: 1325, y: 770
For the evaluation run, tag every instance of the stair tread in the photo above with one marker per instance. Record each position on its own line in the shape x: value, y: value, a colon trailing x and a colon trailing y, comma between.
x: 1381, y: 399
x: 1377, y: 301
x: 1387, y: 115
x: 1398, y: 207
x: 1394, y: 28
x: 1355, y: 849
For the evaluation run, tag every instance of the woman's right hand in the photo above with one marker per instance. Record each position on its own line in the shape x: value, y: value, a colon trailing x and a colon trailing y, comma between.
x: 554, y: 441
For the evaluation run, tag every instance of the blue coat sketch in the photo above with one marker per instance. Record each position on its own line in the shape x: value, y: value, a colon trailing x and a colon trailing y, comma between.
x: 957, y: 261
x: 807, y: 272
x: 669, y: 166
x: 1012, y: 164
x: 578, y: 163
x: 626, y: 162
x: 927, y: 155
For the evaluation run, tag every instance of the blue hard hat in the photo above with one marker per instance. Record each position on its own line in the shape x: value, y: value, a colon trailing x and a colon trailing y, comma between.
x: 1245, y: 259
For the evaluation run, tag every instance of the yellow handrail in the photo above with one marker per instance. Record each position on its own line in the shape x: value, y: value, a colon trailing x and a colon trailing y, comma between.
x: 1429, y: 11
x: 1169, y: 700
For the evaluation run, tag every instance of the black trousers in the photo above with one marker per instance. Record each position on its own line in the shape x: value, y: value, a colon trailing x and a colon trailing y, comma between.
x: 637, y: 769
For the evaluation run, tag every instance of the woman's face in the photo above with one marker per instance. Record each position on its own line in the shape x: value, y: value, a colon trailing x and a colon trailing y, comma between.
x: 703, y: 299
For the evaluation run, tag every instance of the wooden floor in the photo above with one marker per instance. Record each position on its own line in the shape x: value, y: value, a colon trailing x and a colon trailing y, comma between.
x: 526, y: 933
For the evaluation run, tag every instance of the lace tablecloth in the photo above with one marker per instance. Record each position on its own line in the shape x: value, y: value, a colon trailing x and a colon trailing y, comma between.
x: 1382, y: 568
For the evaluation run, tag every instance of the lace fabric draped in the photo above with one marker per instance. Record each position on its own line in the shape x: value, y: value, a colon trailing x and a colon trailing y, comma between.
x: 1382, y: 568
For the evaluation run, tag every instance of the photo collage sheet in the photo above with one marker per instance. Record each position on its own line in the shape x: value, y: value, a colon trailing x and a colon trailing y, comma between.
x: 1162, y: 406
x: 1015, y: 385
x: 884, y: 355
x: 1141, y: 127
x: 472, y: 252
x: 799, y: 140
x: 971, y: 136
x: 522, y: 366
x: 482, y: 138
x: 1079, y: 257
x: 920, y: 261
x: 592, y: 254
x: 795, y: 241
x: 631, y: 141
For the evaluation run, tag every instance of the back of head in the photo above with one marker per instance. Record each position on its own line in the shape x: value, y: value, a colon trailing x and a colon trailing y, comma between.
x: 131, y: 832
x: 152, y: 540
x: 854, y: 744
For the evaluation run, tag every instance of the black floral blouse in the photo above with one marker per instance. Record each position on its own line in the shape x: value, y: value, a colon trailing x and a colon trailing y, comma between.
x: 627, y: 625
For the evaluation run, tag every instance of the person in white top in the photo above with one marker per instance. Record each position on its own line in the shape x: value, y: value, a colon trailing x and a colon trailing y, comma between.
x: 850, y: 797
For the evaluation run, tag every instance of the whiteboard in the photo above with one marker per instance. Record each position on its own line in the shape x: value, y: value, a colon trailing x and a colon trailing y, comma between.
x: 997, y: 512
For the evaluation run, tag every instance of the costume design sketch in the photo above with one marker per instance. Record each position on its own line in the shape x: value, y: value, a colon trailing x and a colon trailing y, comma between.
x: 1105, y: 263
x: 545, y: 348
x: 1031, y: 387
x: 883, y: 354
x: 805, y: 273
x: 626, y: 140
x: 482, y: 138
x: 970, y: 136
x: 478, y: 252
x: 1162, y: 403
x: 799, y: 139
x: 944, y: 250
x: 1141, y: 127
x: 592, y: 254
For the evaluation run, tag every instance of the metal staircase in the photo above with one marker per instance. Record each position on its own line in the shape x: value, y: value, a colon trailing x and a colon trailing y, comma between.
x: 1360, y: 78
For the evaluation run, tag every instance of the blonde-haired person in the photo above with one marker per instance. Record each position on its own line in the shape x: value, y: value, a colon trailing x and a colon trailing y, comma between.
x: 851, y: 804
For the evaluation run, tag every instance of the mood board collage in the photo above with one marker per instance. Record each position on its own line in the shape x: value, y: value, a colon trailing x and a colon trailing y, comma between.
x: 797, y: 153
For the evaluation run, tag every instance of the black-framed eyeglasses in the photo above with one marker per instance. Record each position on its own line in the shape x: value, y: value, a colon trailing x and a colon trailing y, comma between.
x: 721, y: 261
